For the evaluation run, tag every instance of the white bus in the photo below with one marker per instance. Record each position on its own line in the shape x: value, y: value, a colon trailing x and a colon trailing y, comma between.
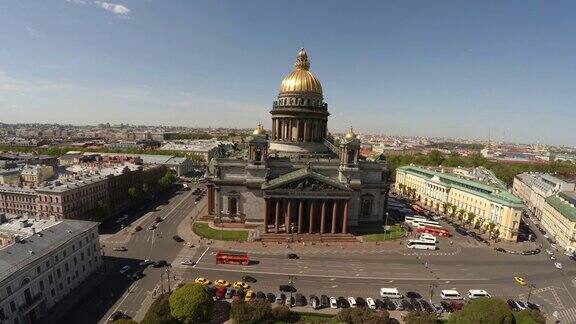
x: 450, y: 294
x: 478, y: 293
x: 421, y: 245
x: 426, y: 222
x: 428, y: 237
x: 411, y: 219
x: 390, y: 293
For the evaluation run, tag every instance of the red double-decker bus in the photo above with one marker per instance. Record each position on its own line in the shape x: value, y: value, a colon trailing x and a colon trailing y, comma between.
x: 225, y: 257
x: 433, y: 231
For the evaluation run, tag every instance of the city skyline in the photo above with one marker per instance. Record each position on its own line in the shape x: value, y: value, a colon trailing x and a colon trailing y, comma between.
x: 447, y: 70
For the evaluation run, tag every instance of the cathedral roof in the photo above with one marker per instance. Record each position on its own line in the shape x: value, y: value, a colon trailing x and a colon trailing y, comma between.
x: 301, y: 174
x: 301, y: 80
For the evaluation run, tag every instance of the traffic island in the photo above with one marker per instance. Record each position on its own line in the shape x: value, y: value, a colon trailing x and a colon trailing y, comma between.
x: 379, y: 234
x: 204, y: 230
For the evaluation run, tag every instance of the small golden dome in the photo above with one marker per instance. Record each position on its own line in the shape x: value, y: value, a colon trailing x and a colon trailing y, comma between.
x: 350, y: 134
x: 259, y: 130
x: 301, y: 79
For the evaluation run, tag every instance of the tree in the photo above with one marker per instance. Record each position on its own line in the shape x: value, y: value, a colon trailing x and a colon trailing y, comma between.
x: 435, y: 157
x: 362, y: 315
x: 529, y: 316
x: 159, y: 312
x: 483, y: 310
x: 101, y: 211
x: 479, y: 222
x: 281, y: 313
x: 125, y: 321
x: 445, y: 207
x: 471, y: 217
x: 256, y: 312
x: 418, y: 317
x: 133, y: 194
x: 168, y: 179
x: 191, y: 302
x: 461, y: 214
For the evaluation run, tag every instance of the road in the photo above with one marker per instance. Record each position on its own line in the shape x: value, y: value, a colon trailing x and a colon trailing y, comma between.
x: 133, y: 297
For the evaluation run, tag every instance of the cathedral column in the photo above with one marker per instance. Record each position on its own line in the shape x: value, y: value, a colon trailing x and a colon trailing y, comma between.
x: 322, y: 216
x: 345, y: 218
x: 334, y: 214
x: 210, y: 199
x: 266, y: 205
x: 305, y: 137
x: 311, y: 214
x: 300, y: 216
x: 290, y: 125
x: 277, y: 219
x: 287, y: 216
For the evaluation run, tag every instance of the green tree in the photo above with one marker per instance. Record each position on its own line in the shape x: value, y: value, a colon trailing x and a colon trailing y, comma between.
x: 483, y: 310
x: 125, y: 321
x: 362, y: 315
x: 256, y: 312
x: 168, y: 178
x: 145, y: 188
x: 101, y: 211
x: 191, y: 303
x: 435, y: 157
x: 159, y: 312
x: 133, y: 194
x: 461, y: 214
x: 470, y: 217
x: 529, y: 316
x: 477, y: 159
x: 445, y: 207
x: 418, y: 317
x: 281, y: 313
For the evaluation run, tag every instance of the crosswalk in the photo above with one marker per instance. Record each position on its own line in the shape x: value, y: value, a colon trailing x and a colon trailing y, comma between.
x: 567, y: 315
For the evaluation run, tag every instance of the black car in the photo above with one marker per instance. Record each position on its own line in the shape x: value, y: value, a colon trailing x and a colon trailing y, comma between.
x: 462, y: 231
x: 137, y: 228
x: 260, y: 296
x: 533, y: 306
x: 412, y: 294
x: 388, y: 303
x: 325, y: 301
x: 299, y: 300
x: 407, y: 305
x: 287, y: 288
x: 380, y: 304
x: 160, y: 264
x: 427, y: 307
x: 447, y: 307
x: 270, y: 298
x: 342, y: 302
x: 118, y: 315
x: 361, y: 302
x: 415, y: 304
x: 248, y: 279
x: 512, y: 305
x: 499, y: 249
x: 137, y: 275
x: 293, y: 256
x: 158, y: 219
x: 177, y: 238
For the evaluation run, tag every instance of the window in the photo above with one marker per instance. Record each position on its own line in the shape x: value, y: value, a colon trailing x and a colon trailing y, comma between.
x: 66, y: 267
x: 9, y: 290
x: 50, y: 279
x: 58, y: 273
x: 76, y: 272
x: 42, y: 285
x: 12, y: 306
x: 61, y: 286
x: 47, y: 264
x: 52, y: 292
x: 38, y: 270
x: 2, y: 315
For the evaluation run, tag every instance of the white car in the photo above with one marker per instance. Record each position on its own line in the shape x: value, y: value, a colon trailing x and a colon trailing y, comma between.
x: 568, y: 253
x: 552, y: 257
x: 370, y: 302
x: 352, y: 302
x: 333, y: 303
x: 188, y: 263
x: 549, y: 251
x: 553, y: 246
x: 124, y: 269
x: 152, y: 227
x: 521, y: 304
x: 558, y: 265
x: 146, y: 262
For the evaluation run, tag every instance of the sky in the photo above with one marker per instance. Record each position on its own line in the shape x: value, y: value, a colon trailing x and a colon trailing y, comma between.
x: 462, y: 69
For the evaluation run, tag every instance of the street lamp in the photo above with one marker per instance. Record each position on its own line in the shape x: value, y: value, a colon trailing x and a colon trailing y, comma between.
x: 291, y: 281
x: 432, y: 286
x: 385, y: 225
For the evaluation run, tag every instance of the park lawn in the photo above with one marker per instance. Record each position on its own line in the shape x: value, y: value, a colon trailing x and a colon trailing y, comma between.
x: 202, y: 229
x: 395, y: 232
x: 310, y: 318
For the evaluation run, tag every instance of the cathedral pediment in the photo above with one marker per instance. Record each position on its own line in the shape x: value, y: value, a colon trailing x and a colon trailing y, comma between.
x: 306, y: 180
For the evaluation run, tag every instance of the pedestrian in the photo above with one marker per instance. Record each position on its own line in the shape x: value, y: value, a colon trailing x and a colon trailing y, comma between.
x: 451, y: 242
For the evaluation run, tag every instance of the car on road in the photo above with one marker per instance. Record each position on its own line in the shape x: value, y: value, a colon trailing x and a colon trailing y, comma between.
x: 499, y: 249
x: 558, y: 265
x: 352, y: 302
x: 137, y: 275
x: 229, y: 293
x: 160, y: 264
x: 177, y: 238
x: 120, y: 248
x: 533, y: 306
x: 241, y: 285
x: 152, y: 227
x: 415, y: 304
x: 238, y: 295
x: 512, y: 305
x: 293, y: 256
x: 188, y: 263
x: 333, y: 303
x: 145, y: 262
x: 438, y: 309
x: 412, y: 294
x: 427, y: 307
x: 270, y: 297
x: 249, y: 296
x: 521, y: 281
x: 314, y: 302
x: 220, y: 293
x: 286, y: 288
x: 137, y: 228
x: 289, y: 301
x: 124, y: 269
x: 118, y: 315
x: 407, y: 305
x: 521, y: 305
x: 371, y: 303
x: 398, y: 305
x: 202, y: 281
x: 553, y: 246
x: 249, y: 279
x: 158, y: 219
x: 549, y: 251
x: 299, y: 300
x: 552, y: 258
x: 222, y: 283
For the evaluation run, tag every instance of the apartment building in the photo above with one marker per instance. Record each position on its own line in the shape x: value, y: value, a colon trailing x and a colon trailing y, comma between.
x: 43, y: 263
x: 490, y: 201
x: 533, y: 188
x: 559, y: 219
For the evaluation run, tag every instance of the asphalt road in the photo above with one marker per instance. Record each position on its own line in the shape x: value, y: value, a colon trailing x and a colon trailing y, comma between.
x: 121, y: 293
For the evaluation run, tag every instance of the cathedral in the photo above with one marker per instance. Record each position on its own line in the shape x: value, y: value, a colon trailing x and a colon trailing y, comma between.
x: 293, y: 181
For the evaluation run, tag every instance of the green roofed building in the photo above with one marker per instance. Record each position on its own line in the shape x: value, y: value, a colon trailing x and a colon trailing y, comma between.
x: 475, y: 191
x: 559, y: 219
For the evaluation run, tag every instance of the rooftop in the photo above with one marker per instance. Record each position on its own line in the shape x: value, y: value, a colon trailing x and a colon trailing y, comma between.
x: 18, y: 255
x: 564, y: 203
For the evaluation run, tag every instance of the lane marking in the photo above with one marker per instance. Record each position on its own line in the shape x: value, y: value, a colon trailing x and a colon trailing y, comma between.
x: 200, y: 258
x: 339, y: 277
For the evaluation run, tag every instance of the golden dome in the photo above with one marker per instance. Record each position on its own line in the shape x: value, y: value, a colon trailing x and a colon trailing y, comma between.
x: 350, y: 134
x: 301, y: 79
x: 259, y: 130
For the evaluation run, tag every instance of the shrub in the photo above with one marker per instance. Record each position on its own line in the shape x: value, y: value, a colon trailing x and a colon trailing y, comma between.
x: 159, y: 312
x: 191, y: 302
x: 281, y: 313
x: 529, y: 316
x: 417, y: 317
x: 363, y: 315
x: 125, y: 321
x: 256, y: 312
x: 483, y: 310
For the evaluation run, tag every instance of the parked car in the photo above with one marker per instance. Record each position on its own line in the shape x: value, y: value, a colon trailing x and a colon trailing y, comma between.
x: 456, y: 305
x: 299, y: 300
x: 325, y: 301
x: 137, y: 228
x: 280, y: 298
x: 371, y: 303
x: 512, y: 305
x: 558, y: 265
x: 177, y: 238
x: 499, y: 249
x: 187, y: 262
x: 220, y: 293
x: 118, y: 315
x: 158, y: 219
x: 124, y: 269
x: 293, y: 256
x: 333, y: 303
x: 521, y: 305
x: 398, y: 305
x: 447, y: 307
x: 415, y: 304
x: 343, y: 302
x: 270, y: 298
x: 289, y: 301
x: 412, y: 294
x: 120, y: 248
x: 260, y: 296
x: 152, y: 227
x: 427, y: 307
x: 533, y: 306
x: 314, y: 302
x: 146, y: 262
x: 229, y: 293
x: 160, y: 264
x: 137, y: 275
x: 407, y: 305
x: 352, y: 302
x: 287, y: 288
x: 361, y: 302
x: 380, y: 304
x: 248, y: 279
